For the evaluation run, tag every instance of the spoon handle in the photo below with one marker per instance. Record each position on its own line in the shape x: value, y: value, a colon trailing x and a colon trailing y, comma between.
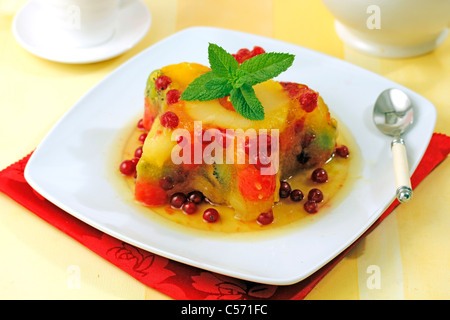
x: 401, y: 170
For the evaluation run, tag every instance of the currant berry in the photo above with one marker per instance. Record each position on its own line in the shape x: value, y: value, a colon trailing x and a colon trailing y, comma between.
x: 211, y: 215
x: 265, y: 218
x: 296, y: 195
x: 342, y: 152
x: 138, y: 152
x: 140, y: 124
x: 166, y: 183
x: 285, y: 189
x: 177, y: 200
x: 319, y: 175
x: 311, y: 206
x: 189, y: 207
x: 195, y: 197
x: 315, y: 195
x: 128, y: 167
x: 142, y: 137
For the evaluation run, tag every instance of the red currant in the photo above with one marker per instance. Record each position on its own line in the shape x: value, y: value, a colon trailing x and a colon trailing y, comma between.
x: 166, y: 183
x: 311, y: 206
x: 296, y: 195
x: 319, y: 175
x: 128, y: 167
x: 177, y: 200
x: 211, y: 215
x: 342, y: 152
x: 285, y: 189
x: 265, y: 218
x: 142, y: 137
x: 195, y: 197
x: 315, y: 195
x: 162, y: 82
x: 169, y: 120
x: 140, y: 124
x: 189, y: 207
x: 173, y: 96
x: 138, y: 152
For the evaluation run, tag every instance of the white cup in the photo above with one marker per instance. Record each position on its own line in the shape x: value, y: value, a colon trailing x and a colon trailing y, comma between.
x: 391, y: 28
x: 78, y: 23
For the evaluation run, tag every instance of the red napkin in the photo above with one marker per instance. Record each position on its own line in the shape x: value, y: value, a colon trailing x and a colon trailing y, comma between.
x: 172, y: 278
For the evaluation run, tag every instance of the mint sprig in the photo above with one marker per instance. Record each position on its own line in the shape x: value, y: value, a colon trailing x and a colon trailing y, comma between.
x: 227, y: 77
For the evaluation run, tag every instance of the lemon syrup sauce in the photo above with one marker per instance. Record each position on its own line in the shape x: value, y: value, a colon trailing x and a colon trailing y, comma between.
x: 342, y: 174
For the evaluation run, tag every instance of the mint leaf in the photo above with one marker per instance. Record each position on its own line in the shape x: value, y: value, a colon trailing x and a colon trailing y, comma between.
x: 246, y: 103
x: 266, y: 66
x: 221, y: 62
x: 227, y: 77
x: 207, y: 87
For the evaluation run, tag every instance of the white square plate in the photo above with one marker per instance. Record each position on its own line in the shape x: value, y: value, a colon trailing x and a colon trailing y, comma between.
x: 71, y: 167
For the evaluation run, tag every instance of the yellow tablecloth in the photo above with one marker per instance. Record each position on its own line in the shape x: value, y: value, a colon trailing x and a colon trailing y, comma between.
x: 406, y: 257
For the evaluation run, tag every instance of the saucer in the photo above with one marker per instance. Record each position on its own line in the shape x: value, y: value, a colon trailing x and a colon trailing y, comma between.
x: 133, y: 24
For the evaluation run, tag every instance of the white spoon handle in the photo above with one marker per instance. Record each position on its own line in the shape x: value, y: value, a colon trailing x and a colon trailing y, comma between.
x: 401, y: 170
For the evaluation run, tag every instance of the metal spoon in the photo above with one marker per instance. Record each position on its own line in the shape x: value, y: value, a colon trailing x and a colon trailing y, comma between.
x: 393, y: 114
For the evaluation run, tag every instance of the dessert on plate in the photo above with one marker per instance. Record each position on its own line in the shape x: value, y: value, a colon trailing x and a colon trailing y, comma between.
x: 227, y: 134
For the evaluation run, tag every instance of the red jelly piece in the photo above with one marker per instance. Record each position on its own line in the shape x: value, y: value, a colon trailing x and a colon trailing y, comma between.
x: 226, y: 103
x: 149, y: 194
x: 254, y: 186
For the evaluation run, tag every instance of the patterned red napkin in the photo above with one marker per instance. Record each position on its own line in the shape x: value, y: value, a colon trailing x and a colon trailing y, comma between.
x: 175, y: 279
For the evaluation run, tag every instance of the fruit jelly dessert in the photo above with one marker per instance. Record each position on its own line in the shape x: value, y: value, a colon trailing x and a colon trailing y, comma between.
x: 307, y: 136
